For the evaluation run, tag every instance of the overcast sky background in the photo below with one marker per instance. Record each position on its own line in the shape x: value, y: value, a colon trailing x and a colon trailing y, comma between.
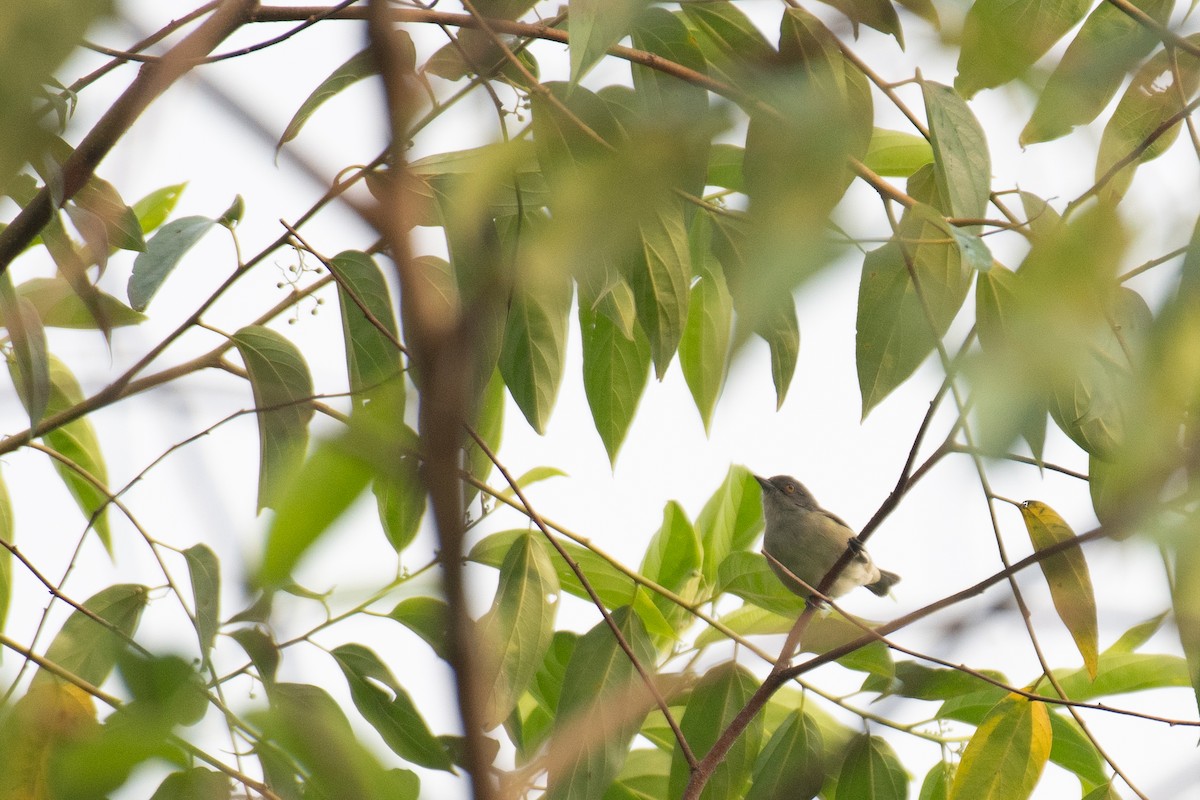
x: 939, y: 540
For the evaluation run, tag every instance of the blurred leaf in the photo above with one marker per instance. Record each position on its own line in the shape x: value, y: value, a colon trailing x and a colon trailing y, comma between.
x: 878, y: 14
x: 1150, y: 100
x: 871, y: 769
x: 704, y: 348
x: 87, y: 647
x: 167, y: 689
x: 897, y: 154
x: 644, y: 776
x: 730, y: 520
x: 358, y: 66
x: 535, y: 335
x: 533, y: 718
x: 282, y: 388
x: 596, y: 26
x: 600, y: 709
x: 1185, y: 599
x: 660, y: 277
x: 791, y: 765
x: 311, y: 500
x: 204, y: 569
x: 165, y: 249
x: 518, y: 628
x: 1068, y: 577
x: 396, y: 718
x: 29, y: 360
x: 8, y: 536
x: 476, y: 54
x: 962, y: 166
x: 196, y: 783
x: 748, y: 620
x: 59, y: 307
x: 1007, y: 753
x: 938, y: 781
x: 1001, y: 39
x: 721, y: 693
x: 153, y: 209
x: 307, y: 724
x: 489, y: 424
x: 1108, y: 45
x: 119, y: 222
x: 261, y: 648
x: 531, y: 476
x: 368, y: 322
x: 923, y: 9
x: 615, y: 372
x: 725, y: 167
x: 729, y: 40
x: 426, y: 617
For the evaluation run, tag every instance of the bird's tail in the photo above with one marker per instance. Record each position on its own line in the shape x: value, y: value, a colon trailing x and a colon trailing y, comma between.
x: 885, y: 583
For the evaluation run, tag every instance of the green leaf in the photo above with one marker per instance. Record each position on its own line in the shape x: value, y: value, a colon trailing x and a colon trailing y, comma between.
x: 153, y: 209
x: 204, y: 569
x: 533, y: 354
x: 368, y: 322
x: 1074, y: 751
x: 1002, y: 38
x: 29, y: 361
x: 660, y: 277
x: 729, y: 40
x: 308, y: 725
x: 600, y: 708
x: 426, y: 617
x: 531, y: 476
x: 878, y: 14
x: 8, y: 536
x: 748, y: 620
x: 1185, y: 599
x: 533, y: 719
x: 162, y: 254
x: 1121, y: 673
x: 196, y: 783
x: 749, y: 576
x: 520, y: 624
x: 897, y: 154
x: 704, y: 348
x: 911, y: 679
x: 120, y: 223
x: 725, y: 167
x: 1108, y: 45
x: 674, y: 552
x: 1007, y: 753
x: 395, y: 717
x: 312, y: 499
x: 59, y: 307
x: 872, y: 770
x: 792, y: 763
x: 282, y: 388
x: 358, y: 66
x: 615, y: 372
x: 938, y: 781
x: 597, y: 25
x: 781, y: 330
x: 962, y: 166
x: 730, y: 519
x: 644, y: 776
x: 1151, y: 100
x: 87, y: 646
x: 1068, y: 577
x: 400, y: 499
x: 720, y: 694
x: 489, y: 424
x: 76, y: 440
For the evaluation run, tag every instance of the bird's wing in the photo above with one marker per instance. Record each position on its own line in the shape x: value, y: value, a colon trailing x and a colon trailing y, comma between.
x: 848, y: 534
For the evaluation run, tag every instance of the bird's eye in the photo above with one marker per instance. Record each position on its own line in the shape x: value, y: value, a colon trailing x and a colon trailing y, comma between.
x: 790, y: 488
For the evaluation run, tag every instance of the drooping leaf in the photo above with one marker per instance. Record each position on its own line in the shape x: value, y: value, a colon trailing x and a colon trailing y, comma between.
x: 313, y: 497
x: 962, y: 165
x: 1108, y: 45
x: 1007, y: 753
x: 600, y: 708
x: 1073, y: 750
x: 730, y: 520
x: 368, y: 322
x: 781, y: 330
x: 596, y: 25
x: 358, y: 66
x: 615, y: 372
x: 118, y: 221
x: 1068, y: 577
x: 29, y: 362
x: 395, y: 717
x: 704, y: 348
x: 59, y: 307
x: 489, y: 424
x: 728, y: 38
x: 1151, y: 100
x: 7, y: 534
x: 1185, y: 599
x: 792, y: 762
x: 872, y: 769
x: 282, y: 388
x: 520, y: 624
x: 400, y: 499
x: 87, y: 647
x: 204, y: 569
x: 938, y: 781
x: 165, y: 249
x: 897, y: 154
x: 153, y: 209
x: 712, y: 705
x: 426, y: 617
x: 196, y: 783
x: 263, y: 651
x: 878, y: 14
x: 1002, y: 38
x: 659, y: 277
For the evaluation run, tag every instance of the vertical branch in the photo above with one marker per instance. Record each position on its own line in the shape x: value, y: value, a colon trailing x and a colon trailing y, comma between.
x: 439, y: 348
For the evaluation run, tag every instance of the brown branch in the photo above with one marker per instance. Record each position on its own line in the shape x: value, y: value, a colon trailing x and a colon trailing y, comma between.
x: 152, y: 81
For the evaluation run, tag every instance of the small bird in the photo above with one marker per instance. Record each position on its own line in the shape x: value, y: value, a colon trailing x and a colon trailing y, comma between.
x: 809, y: 540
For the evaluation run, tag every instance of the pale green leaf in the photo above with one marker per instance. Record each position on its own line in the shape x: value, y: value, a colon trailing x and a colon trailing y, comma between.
x: 368, y: 322
x: 163, y: 253
x: 721, y: 693
x: 704, y: 348
x: 87, y: 646
x: 59, y: 307
x: 283, y: 389
x: 1007, y: 753
x: 1073, y: 750
x: 204, y: 569
x: 1068, y: 577
x: 358, y: 66
x: 871, y: 769
x: 878, y: 14
x: 730, y: 519
x: 660, y: 276
x: 119, y: 222
x: 196, y: 783
x: 28, y: 359
x: 8, y: 536
x: 596, y: 25
x: 792, y: 763
x: 153, y: 209
x: 938, y: 781
x: 962, y: 166
x: 615, y: 372
x: 897, y: 154
x: 426, y: 617
x: 1185, y: 600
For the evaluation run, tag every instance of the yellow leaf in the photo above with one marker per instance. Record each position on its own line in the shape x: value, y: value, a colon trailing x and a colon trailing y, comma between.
x: 1005, y: 757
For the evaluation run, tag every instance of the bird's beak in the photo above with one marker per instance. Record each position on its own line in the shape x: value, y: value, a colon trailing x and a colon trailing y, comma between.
x: 763, y: 482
